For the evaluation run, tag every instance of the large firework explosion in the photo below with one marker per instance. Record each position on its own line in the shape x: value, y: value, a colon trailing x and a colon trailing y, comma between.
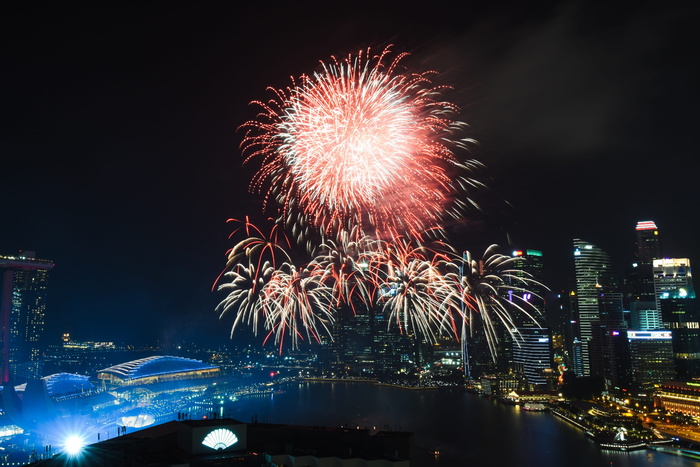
x: 362, y: 161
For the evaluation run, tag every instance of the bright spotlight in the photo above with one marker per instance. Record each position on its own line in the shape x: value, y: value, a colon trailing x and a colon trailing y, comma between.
x: 73, y: 445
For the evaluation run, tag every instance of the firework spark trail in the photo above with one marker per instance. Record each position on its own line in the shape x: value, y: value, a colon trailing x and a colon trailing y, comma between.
x: 297, y: 302
x: 258, y: 246
x: 344, y: 265
x: 416, y: 293
x: 245, y: 285
x: 360, y: 143
x: 489, y: 290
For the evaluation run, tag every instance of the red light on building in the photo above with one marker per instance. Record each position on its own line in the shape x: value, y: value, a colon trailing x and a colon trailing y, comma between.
x: 646, y: 225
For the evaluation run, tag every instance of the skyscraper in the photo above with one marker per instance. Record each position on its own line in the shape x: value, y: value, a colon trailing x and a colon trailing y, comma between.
x: 640, y: 294
x: 651, y: 357
x: 532, y: 354
x: 675, y: 295
x: 531, y: 350
x: 593, y: 277
x: 672, y: 278
x: 648, y: 246
x: 22, y: 308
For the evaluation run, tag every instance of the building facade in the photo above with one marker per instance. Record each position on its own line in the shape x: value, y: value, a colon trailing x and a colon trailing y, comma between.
x: 594, y: 277
x: 22, y: 308
x: 651, y: 357
x: 532, y: 355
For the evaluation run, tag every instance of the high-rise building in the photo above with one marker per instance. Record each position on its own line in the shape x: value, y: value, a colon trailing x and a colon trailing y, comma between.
x: 651, y: 357
x: 532, y: 354
x: 527, y: 265
x: 648, y: 246
x: 645, y: 316
x: 531, y: 348
x: 673, y: 281
x: 22, y: 308
x: 673, y: 278
x: 608, y: 349
x: 594, y: 277
x: 640, y: 291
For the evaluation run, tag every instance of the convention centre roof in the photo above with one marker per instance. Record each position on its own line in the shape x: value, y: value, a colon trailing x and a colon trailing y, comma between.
x: 154, y: 366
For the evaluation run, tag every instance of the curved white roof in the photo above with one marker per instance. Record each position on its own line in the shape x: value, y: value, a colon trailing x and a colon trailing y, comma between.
x: 156, y: 365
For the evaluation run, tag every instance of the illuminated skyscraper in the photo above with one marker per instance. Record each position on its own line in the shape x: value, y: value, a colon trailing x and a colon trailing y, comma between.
x: 651, y: 357
x: 593, y: 277
x: 675, y: 295
x: 22, y: 308
x: 531, y: 351
x: 533, y: 355
x: 528, y: 264
x: 641, y: 296
x: 648, y: 247
x: 673, y: 278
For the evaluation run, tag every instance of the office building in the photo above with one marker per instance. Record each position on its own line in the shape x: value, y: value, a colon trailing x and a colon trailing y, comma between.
x: 673, y: 281
x: 594, y: 277
x: 532, y: 355
x: 22, y: 308
x: 648, y: 250
x: 526, y: 266
x: 651, y: 357
x: 673, y: 278
x: 640, y: 294
x: 608, y: 349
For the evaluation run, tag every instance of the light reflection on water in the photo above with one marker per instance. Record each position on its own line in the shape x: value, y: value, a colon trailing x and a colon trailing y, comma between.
x: 465, y: 429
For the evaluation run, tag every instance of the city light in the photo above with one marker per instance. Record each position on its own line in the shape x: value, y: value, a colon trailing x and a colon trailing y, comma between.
x: 73, y: 445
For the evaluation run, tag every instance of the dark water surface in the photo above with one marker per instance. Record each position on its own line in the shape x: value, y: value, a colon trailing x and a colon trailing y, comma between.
x: 466, y: 429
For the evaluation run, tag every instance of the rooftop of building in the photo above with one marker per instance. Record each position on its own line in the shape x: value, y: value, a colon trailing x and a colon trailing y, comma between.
x: 156, y: 365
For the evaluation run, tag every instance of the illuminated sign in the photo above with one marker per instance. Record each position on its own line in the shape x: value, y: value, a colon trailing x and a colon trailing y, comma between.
x: 221, y: 438
x: 649, y: 335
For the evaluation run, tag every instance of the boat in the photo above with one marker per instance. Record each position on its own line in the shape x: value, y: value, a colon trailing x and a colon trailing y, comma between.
x: 534, y: 407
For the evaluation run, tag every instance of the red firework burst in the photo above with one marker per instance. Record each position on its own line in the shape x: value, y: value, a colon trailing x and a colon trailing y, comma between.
x: 360, y: 144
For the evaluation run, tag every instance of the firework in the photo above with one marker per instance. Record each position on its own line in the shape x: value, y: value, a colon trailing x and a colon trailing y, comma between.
x: 362, y: 158
x: 415, y: 293
x: 360, y: 144
x: 492, y: 290
x: 297, y: 302
x: 245, y: 285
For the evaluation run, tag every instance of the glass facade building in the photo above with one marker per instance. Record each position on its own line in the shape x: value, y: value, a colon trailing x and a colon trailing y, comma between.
x: 593, y: 276
x: 22, y: 310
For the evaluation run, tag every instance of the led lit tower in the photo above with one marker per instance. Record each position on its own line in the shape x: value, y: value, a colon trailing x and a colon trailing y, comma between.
x: 532, y: 350
x: 528, y: 264
x: 22, y: 307
x: 648, y: 247
x: 641, y: 295
x: 593, y: 277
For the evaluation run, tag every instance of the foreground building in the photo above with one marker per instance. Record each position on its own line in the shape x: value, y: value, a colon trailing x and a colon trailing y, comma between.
x: 230, y: 442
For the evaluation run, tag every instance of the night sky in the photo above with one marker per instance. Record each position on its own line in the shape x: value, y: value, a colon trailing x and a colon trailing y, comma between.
x: 121, y: 159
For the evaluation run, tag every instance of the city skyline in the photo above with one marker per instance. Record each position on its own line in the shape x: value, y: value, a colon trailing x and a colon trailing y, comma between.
x: 124, y: 165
